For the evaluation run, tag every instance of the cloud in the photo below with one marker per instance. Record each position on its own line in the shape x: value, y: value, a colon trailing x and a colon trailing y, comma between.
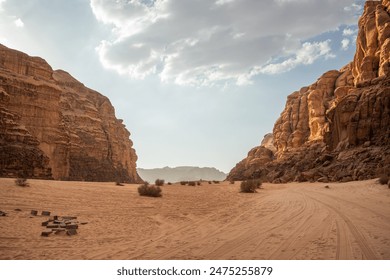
x: 349, y: 32
x: 206, y: 42
x: 307, y: 54
x: 349, y: 36
x: 19, y: 23
x: 345, y: 44
x: 1, y: 5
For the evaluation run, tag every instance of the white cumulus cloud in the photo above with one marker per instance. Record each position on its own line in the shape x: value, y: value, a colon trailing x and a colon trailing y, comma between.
x: 345, y: 44
x: 307, y: 54
x: 206, y: 42
x: 18, y: 22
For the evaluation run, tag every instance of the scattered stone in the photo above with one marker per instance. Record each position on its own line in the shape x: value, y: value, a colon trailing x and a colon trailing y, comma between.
x: 60, y: 232
x: 84, y: 223
x: 53, y: 226
x: 60, y: 225
x: 58, y: 229
x: 44, y: 224
x: 72, y: 226
x: 326, y: 187
x: 17, y: 209
x: 69, y: 218
x: 46, y: 233
x: 34, y: 212
x: 71, y: 232
x: 3, y: 214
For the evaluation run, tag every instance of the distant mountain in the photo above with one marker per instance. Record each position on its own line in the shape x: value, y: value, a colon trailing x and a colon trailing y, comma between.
x: 181, y: 173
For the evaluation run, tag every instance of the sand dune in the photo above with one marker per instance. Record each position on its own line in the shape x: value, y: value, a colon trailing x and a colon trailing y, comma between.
x: 291, y: 221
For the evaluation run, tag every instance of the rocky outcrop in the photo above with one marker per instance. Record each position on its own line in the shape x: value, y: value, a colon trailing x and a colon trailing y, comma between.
x: 181, y: 173
x: 52, y: 126
x: 338, y: 128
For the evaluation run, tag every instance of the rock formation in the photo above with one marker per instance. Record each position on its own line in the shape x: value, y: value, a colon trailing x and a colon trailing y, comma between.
x: 337, y: 129
x: 52, y: 126
x: 181, y: 173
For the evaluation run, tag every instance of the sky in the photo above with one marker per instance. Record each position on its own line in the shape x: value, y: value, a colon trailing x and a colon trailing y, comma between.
x: 197, y: 82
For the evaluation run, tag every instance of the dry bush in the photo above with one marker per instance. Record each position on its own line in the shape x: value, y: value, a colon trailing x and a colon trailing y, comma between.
x: 199, y: 183
x: 21, y: 182
x: 192, y: 183
x: 149, y: 190
x: 250, y: 186
x: 183, y: 183
x: 169, y: 183
x: 216, y: 182
x: 159, y: 182
x: 210, y: 182
x: 383, y: 179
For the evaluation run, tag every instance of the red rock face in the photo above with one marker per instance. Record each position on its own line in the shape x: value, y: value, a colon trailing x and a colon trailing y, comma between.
x: 339, y: 127
x: 70, y: 130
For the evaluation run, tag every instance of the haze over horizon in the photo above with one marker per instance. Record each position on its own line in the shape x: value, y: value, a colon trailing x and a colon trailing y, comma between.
x: 196, y: 83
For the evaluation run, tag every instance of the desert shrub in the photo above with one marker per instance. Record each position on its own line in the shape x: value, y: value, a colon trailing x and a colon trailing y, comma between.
x: 118, y: 184
x: 159, y: 182
x: 192, y: 183
x: 210, y: 182
x: 216, y: 182
x: 383, y: 179
x: 21, y: 182
x: 250, y: 186
x: 149, y: 190
x: 183, y: 183
x: 198, y: 183
x: 169, y: 183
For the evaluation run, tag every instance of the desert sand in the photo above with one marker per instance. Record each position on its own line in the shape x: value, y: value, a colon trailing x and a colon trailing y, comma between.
x: 289, y: 221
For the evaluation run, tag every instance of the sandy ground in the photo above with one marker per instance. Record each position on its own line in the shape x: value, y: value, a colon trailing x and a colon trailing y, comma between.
x: 291, y: 221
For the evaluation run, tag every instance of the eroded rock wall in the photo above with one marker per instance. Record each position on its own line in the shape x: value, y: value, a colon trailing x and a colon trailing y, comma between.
x: 74, y: 128
x: 339, y: 127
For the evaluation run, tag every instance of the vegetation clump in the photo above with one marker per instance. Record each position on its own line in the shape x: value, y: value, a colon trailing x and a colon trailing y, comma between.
x: 383, y: 179
x: 21, y: 182
x: 183, y: 183
x: 216, y: 182
x: 192, y: 183
x: 160, y: 182
x: 250, y: 186
x: 149, y: 190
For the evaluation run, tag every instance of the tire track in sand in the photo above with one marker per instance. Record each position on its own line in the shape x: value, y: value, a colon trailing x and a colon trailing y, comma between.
x: 365, y: 247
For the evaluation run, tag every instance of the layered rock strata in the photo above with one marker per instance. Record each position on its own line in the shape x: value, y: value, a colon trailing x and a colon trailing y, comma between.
x: 52, y: 126
x: 337, y: 129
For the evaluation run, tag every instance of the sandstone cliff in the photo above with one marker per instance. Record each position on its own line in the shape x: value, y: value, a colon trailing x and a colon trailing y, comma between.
x: 52, y: 126
x: 339, y: 127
